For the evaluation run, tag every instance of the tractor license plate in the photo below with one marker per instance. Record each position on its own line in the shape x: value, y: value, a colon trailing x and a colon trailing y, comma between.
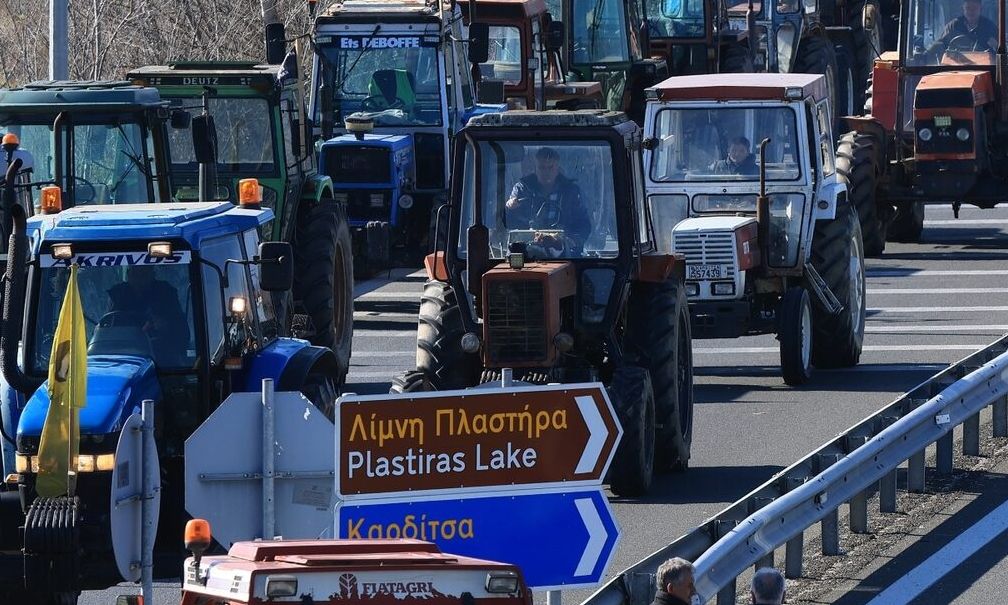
x: 697, y: 272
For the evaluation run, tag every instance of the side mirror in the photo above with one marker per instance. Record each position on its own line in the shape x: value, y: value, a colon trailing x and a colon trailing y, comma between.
x: 181, y: 119
x: 555, y: 36
x: 204, y: 138
x: 325, y: 111
x: 490, y: 91
x: 479, y: 42
x: 276, y: 43
x: 276, y: 266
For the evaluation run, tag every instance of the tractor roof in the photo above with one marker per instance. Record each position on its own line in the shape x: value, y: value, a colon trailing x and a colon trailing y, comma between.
x: 191, y: 222
x: 97, y: 95
x: 741, y: 87
x: 497, y: 8
x: 553, y: 118
x: 380, y: 9
x: 208, y: 73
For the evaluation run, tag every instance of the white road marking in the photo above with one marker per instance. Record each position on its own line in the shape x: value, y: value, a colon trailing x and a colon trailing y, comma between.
x: 596, y: 535
x: 874, y: 348
x: 402, y: 296
x: 966, y: 221
x: 938, y: 328
x: 919, y: 291
x: 948, y: 558
x: 933, y: 273
x: 935, y: 310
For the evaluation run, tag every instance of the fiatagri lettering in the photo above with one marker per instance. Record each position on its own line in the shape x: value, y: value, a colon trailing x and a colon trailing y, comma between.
x: 419, y: 463
x: 396, y: 588
x: 412, y: 528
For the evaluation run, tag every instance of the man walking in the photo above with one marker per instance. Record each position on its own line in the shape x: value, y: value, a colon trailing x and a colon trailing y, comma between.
x: 674, y: 580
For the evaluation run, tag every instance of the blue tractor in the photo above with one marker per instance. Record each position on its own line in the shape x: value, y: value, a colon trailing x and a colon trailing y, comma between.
x: 178, y: 300
x: 392, y: 83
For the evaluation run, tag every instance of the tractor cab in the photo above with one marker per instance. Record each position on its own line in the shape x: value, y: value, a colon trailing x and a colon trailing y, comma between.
x: 695, y: 36
x: 742, y: 181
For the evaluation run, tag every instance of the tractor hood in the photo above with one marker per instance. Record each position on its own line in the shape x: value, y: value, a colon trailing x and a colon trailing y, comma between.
x: 116, y: 386
x: 374, y: 160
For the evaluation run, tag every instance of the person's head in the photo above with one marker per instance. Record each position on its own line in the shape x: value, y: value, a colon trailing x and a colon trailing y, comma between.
x: 139, y: 277
x: 767, y: 587
x: 739, y: 149
x: 675, y: 577
x: 547, y: 165
x: 971, y: 10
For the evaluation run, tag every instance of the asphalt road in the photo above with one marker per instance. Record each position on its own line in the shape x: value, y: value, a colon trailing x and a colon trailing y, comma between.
x: 929, y: 304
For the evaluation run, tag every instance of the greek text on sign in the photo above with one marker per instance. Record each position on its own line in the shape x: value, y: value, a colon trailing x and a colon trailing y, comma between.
x: 474, y: 439
x: 362, y: 42
x: 116, y: 259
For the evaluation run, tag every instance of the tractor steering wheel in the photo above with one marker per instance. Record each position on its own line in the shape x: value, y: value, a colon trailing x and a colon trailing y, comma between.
x: 376, y: 102
x: 966, y: 43
x: 84, y: 199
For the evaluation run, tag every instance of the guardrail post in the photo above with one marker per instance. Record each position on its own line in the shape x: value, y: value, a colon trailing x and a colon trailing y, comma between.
x: 971, y: 435
x: 915, y: 472
x: 1000, y: 420
x: 859, y: 513
x: 830, y: 529
x: 944, y: 453
x: 726, y: 596
x: 887, y: 493
x: 793, y: 556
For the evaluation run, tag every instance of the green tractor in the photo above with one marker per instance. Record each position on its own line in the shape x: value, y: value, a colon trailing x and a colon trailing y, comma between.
x: 258, y: 119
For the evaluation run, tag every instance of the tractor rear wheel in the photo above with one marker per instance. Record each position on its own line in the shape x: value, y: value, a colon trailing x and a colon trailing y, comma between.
x: 323, y: 280
x: 632, y: 397
x: 908, y: 223
x: 736, y: 59
x: 658, y: 339
x: 816, y: 55
x: 320, y: 389
x: 411, y: 381
x: 838, y: 256
x: 794, y: 320
x: 867, y: 42
x: 856, y: 163
x: 439, y: 340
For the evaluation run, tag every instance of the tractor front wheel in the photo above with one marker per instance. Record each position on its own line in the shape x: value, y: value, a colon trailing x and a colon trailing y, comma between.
x: 439, y: 340
x: 633, y: 399
x: 856, y: 163
x: 908, y: 223
x: 794, y: 318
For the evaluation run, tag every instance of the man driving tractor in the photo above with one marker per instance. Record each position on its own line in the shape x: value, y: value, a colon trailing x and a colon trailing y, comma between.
x: 548, y: 200
x: 970, y: 30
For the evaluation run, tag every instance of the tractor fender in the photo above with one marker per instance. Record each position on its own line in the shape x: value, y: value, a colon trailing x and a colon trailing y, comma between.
x: 287, y: 361
x: 316, y: 188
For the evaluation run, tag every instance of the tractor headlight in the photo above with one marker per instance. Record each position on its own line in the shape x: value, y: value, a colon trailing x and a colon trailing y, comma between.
x: 963, y: 134
x: 281, y: 586
x: 405, y: 201
x: 925, y: 134
x: 692, y: 288
x: 470, y: 343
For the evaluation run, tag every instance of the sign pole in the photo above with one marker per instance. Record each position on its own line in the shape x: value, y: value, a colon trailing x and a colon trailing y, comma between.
x: 149, y: 526
x: 269, y: 517
x: 58, y: 19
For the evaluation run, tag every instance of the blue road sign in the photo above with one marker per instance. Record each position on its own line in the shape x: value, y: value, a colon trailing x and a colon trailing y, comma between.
x: 559, y: 539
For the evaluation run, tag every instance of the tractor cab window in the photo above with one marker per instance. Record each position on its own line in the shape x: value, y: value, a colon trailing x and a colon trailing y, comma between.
x: 394, y: 77
x: 599, y: 32
x: 222, y: 327
x: 110, y: 160
x: 676, y: 18
x: 244, y: 136
x: 951, y: 32
x: 133, y: 303
x: 505, y: 63
x: 548, y: 200
x: 722, y: 144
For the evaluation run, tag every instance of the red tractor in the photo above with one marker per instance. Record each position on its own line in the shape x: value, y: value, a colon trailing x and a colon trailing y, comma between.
x: 937, y: 128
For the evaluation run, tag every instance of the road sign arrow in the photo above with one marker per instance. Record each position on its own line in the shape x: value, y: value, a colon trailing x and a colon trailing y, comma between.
x: 559, y: 539
x: 477, y: 440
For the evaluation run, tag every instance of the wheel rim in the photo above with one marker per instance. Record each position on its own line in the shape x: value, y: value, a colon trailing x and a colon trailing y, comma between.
x: 857, y: 284
x: 685, y: 383
x: 339, y: 296
x: 806, y: 334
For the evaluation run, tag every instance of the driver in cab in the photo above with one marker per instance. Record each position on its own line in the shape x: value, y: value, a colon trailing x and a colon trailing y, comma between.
x: 978, y: 30
x: 155, y: 302
x: 548, y: 200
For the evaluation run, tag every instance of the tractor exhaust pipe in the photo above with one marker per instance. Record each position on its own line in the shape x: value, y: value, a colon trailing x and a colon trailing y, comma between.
x: 13, y: 302
x: 762, y: 201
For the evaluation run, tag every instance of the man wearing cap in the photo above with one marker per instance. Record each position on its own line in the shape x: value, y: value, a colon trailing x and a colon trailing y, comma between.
x: 980, y: 31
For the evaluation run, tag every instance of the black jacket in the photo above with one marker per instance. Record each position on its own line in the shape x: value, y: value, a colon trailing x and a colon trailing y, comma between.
x: 664, y: 598
x: 984, y: 31
x: 562, y: 208
x: 746, y: 167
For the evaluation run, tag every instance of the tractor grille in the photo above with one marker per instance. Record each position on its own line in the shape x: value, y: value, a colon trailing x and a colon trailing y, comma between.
x: 367, y: 204
x: 708, y: 249
x: 515, y: 321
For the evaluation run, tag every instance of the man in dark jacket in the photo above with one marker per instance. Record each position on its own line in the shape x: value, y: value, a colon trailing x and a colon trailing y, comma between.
x: 740, y: 159
x: 546, y: 199
x: 674, y: 580
x: 979, y: 32
x: 155, y: 303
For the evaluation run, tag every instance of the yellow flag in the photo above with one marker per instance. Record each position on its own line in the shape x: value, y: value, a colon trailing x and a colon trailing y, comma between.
x: 60, y: 443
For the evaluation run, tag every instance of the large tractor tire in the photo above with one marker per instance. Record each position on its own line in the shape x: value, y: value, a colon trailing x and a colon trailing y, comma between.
x: 658, y: 339
x: 439, y: 340
x: 736, y: 59
x: 632, y: 397
x: 411, y: 381
x: 320, y: 388
x: 323, y: 280
x: 816, y: 55
x: 867, y: 42
x: 838, y: 256
x: 908, y: 223
x: 794, y: 331
x: 856, y: 163
x: 849, y: 96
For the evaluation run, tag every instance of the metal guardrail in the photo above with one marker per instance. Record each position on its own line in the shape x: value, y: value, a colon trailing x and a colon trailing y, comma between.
x: 849, y: 468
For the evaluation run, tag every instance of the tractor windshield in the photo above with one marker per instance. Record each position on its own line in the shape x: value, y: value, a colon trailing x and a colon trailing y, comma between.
x: 505, y: 62
x: 547, y: 200
x: 600, y: 33
x: 394, y: 77
x: 722, y: 144
x: 676, y: 18
x: 111, y: 157
x: 244, y: 136
x: 134, y: 304
x: 950, y: 32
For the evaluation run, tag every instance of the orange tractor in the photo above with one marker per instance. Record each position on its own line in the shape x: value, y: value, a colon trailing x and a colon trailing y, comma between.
x: 937, y: 129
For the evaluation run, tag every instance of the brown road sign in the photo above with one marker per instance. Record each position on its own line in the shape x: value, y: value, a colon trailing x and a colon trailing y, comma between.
x: 477, y: 439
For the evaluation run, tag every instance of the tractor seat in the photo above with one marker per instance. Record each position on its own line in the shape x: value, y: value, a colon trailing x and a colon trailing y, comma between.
x: 392, y: 84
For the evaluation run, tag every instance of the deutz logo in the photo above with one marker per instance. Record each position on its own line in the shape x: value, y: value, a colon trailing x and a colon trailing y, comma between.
x: 201, y: 80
